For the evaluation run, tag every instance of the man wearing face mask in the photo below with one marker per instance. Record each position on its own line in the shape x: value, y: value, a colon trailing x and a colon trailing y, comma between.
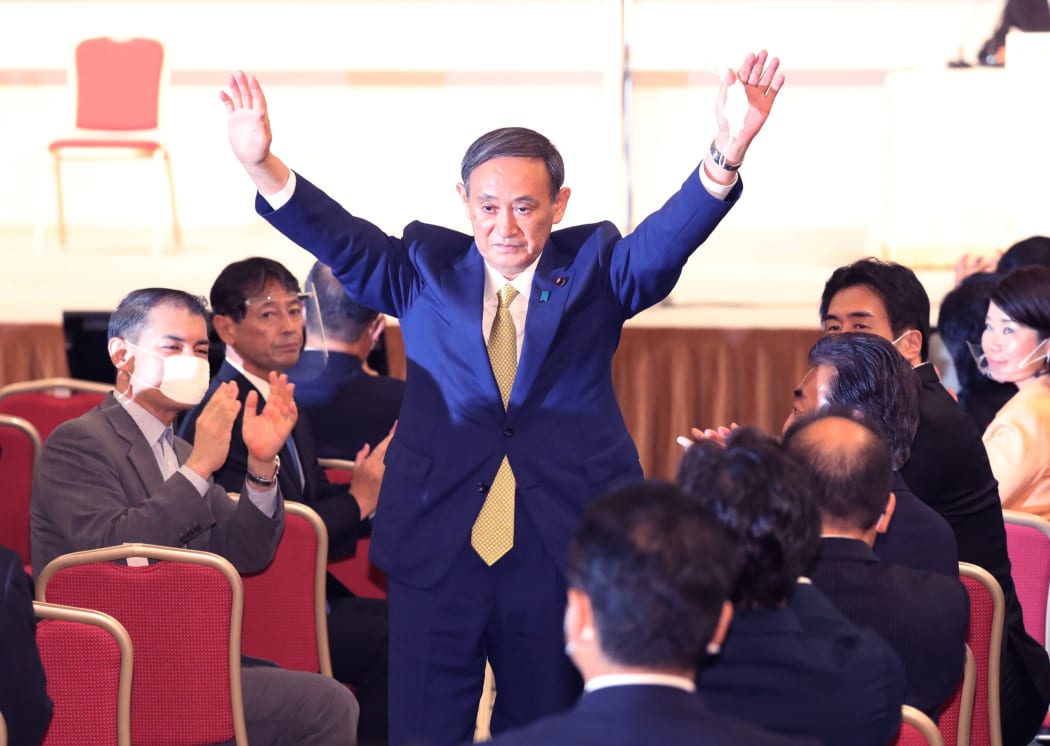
x: 118, y: 474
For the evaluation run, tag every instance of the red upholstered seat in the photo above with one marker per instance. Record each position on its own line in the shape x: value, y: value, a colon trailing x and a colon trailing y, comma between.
x: 356, y: 572
x: 183, y: 613
x: 19, y: 452
x: 48, y: 402
x: 87, y: 659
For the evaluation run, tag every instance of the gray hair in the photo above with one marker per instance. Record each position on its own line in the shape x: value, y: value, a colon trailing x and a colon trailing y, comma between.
x: 514, y: 142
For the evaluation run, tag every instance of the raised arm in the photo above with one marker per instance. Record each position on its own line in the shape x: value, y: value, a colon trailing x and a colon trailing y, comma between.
x: 248, y: 124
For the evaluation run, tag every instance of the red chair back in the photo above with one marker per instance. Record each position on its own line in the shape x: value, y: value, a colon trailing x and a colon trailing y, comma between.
x: 87, y: 658
x: 917, y: 729
x: 356, y: 572
x: 984, y: 637
x: 1028, y: 543
x: 49, y: 402
x: 118, y: 83
x: 957, y: 713
x: 19, y: 452
x: 183, y: 613
x: 284, y: 604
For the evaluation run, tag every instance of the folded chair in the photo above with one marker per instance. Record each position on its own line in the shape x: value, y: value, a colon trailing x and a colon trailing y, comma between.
x: 182, y: 609
x: 88, y: 660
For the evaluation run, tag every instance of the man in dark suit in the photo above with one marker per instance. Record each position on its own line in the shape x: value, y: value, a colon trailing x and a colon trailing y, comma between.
x: 23, y: 690
x: 650, y: 573
x: 923, y: 615
x: 791, y: 663
x: 258, y: 313
x: 119, y: 474
x: 863, y: 371
x: 347, y: 403
x: 948, y: 466
x: 510, y: 423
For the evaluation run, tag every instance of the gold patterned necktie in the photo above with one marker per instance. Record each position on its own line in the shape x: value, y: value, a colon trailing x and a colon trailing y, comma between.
x: 493, y: 533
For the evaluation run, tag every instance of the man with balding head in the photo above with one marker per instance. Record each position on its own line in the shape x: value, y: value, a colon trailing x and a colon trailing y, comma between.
x: 922, y: 615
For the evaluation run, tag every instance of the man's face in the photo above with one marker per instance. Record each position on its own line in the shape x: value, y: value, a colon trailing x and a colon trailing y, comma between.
x: 170, y: 330
x: 510, y: 208
x: 858, y: 309
x: 810, y: 393
x: 270, y: 336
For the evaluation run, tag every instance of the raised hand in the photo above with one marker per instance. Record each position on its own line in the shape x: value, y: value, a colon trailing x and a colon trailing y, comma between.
x: 211, y: 439
x: 248, y: 125
x: 265, y: 433
x: 761, y: 83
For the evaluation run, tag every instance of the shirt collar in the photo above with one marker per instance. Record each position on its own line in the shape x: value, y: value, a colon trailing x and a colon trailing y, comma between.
x: 635, y: 679
x: 152, y: 428
x: 261, y: 384
x: 522, y: 283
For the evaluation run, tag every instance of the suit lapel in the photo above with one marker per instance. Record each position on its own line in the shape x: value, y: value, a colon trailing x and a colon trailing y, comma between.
x: 140, y: 452
x: 550, y: 292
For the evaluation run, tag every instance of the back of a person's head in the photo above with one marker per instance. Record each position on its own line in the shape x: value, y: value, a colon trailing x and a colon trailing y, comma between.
x: 1024, y: 296
x: 132, y: 313
x: 763, y: 498
x: 848, y: 458
x: 961, y: 320
x: 905, y: 299
x: 872, y: 376
x: 1031, y: 251
x: 657, y: 569
x: 246, y: 279
x: 344, y: 320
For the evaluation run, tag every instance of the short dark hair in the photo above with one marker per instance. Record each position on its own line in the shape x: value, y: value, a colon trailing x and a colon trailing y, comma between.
x: 872, y: 376
x: 242, y: 280
x: 961, y: 320
x: 1032, y: 250
x: 764, y: 499
x: 905, y: 299
x: 657, y: 569
x: 851, y: 479
x: 1024, y: 296
x: 344, y: 319
x: 514, y: 142
x: 132, y: 314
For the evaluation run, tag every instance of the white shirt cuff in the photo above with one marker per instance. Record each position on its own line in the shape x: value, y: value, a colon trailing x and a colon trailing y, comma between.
x: 264, y: 500
x: 280, y: 199
x: 716, y: 190
x: 202, y: 484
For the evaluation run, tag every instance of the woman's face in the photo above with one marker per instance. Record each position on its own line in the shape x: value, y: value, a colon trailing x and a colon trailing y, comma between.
x: 1008, y: 346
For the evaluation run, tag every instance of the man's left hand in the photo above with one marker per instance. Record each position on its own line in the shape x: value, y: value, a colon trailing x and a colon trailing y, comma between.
x: 265, y: 433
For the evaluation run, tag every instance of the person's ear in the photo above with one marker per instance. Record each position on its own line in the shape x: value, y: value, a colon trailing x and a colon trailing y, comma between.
x: 463, y: 195
x: 119, y: 354
x: 887, y: 514
x: 561, y: 201
x: 226, y: 329
x: 579, y: 617
x: 910, y: 345
x: 719, y: 636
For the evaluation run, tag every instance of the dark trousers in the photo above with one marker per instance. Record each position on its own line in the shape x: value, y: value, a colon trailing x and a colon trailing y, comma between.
x: 357, y: 639
x: 510, y: 613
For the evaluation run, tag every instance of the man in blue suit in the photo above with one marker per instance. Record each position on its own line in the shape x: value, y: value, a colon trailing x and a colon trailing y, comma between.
x: 510, y: 423
x: 650, y: 574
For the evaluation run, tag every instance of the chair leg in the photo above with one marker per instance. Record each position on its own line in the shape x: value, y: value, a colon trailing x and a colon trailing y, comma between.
x: 56, y: 159
x: 44, y: 181
x: 176, y: 231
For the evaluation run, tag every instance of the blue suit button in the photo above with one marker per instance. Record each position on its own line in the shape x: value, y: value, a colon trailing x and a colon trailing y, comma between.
x: 509, y: 432
x: 483, y: 487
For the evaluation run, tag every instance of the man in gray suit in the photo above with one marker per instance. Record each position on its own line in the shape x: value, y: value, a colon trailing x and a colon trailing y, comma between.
x: 118, y: 474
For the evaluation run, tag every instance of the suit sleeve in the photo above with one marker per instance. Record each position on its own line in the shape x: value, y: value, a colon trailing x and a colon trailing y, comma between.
x: 23, y: 689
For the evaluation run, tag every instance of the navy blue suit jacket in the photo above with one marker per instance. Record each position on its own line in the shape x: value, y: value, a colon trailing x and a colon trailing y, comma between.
x: 562, y: 431
x: 804, y: 669
x: 345, y: 406
x: 642, y: 715
x: 924, y: 616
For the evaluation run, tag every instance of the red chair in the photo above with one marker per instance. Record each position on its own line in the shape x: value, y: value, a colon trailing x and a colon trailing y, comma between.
x: 985, y: 637
x: 118, y: 84
x: 356, y: 572
x: 917, y: 729
x: 88, y: 660
x: 957, y: 714
x: 19, y: 453
x: 182, y: 610
x: 48, y: 402
x: 284, y: 605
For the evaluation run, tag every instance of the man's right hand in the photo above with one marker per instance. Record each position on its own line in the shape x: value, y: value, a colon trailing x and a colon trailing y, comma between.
x: 211, y: 440
x: 248, y: 124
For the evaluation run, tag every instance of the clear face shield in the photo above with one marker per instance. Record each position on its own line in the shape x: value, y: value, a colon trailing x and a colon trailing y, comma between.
x: 275, y: 310
x: 1032, y: 363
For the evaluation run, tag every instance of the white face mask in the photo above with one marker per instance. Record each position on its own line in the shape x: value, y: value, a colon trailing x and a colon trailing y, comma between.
x: 184, y: 380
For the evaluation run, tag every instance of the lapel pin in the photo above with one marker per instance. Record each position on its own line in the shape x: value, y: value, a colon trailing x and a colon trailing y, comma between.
x: 544, y: 295
x: 561, y: 281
